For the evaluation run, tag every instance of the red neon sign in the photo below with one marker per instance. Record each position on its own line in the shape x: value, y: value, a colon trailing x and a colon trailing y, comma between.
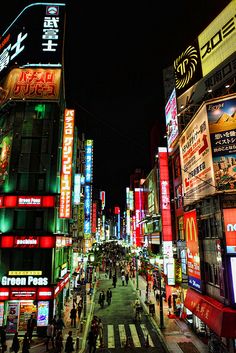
x: 165, y: 194
x: 11, y: 241
x: 11, y: 201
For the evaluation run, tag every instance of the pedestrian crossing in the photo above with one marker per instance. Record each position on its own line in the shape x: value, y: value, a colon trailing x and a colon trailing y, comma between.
x: 121, y: 335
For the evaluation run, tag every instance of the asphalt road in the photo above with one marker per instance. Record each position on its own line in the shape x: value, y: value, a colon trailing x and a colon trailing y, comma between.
x: 121, y: 331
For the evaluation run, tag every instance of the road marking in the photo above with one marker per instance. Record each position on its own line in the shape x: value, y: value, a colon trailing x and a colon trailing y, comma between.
x: 134, y: 335
x: 122, y: 335
x: 110, y: 336
x: 146, y: 333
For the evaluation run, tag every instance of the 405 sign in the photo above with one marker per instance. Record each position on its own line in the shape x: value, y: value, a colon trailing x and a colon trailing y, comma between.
x: 24, y: 281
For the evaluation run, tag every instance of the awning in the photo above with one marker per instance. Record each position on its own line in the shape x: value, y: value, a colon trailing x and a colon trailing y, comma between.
x: 219, y: 318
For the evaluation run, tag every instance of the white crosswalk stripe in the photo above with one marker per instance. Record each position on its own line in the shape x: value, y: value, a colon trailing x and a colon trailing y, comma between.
x: 134, y: 335
x: 146, y: 334
x: 125, y: 332
x: 122, y: 335
x: 111, y: 336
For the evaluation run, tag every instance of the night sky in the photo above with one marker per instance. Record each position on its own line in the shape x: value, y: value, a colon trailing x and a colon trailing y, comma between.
x: 115, y: 52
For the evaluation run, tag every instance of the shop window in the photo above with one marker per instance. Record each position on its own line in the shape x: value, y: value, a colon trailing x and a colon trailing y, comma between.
x: 212, y: 274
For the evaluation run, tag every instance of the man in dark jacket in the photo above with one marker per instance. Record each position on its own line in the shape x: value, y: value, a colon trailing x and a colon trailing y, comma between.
x: 109, y: 296
x: 31, y: 324
x: 73, y: 316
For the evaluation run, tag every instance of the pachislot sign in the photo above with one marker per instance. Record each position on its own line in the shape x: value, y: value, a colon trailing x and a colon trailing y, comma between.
x: 66, y: 170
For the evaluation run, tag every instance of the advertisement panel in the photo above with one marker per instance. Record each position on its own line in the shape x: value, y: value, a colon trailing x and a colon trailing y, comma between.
x: 172, y: 129
x: 221, y: 115
x: 230, y: 229
x: 34, y: 37
x: 193, y: 258
x: 233, y: 271
x: 187, y: 68
x: 12, y: 318
x: 196, y: 159
x: 217, y: 41
x: 30, y: 84
x: 164, y: 194
x: 43, y: 313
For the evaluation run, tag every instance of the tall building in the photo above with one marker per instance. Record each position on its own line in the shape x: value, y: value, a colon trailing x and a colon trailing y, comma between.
x: 37, y: 141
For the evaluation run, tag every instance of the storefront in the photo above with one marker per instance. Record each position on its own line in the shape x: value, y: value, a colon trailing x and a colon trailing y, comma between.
x: 218, y: 321
x: 17, y: 304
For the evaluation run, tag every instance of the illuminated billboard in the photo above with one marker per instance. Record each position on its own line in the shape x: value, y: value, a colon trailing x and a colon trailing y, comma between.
x: 164, y: 194
x: 196, y: 159
x: 217, y: 41
x: 66, y: 169
x: 193, y: 258
x: 28, y: 84
x: 230, y: 229
x: 187, y: 68
x: 34, y: 37
x: 221, y: 115
x: 172, y: 129
x: 88, y: 161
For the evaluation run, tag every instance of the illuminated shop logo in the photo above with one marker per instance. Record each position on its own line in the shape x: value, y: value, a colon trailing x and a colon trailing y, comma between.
x: 185, y: 67
x: 24, y: 281
x: 52, y: 10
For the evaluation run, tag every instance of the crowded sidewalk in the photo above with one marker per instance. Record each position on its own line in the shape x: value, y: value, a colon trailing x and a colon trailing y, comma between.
x: 176, y: 334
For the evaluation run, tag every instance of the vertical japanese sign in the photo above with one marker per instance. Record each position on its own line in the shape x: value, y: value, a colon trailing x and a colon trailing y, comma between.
x: 66, y: 170
x: 193, y: 258
x: 164, y: 194
x: 88, y: 188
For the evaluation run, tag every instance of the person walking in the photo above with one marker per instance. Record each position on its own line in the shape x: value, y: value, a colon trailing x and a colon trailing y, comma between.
x: 100, y: 332
x: 94, y: 327
x: 114, y: 280
x: 60, y: 324
x: 50, y: 335
x: 91, y: 341
x: 25, y: 344
x: 80, y: 308
x: 123, y: 280
x: 101, y: 299
x: 3, y: 339
x: 59, y: 342
x: 73, y: 316
x: 15, y: 347
x: 127, y: 278
x: 109, y: 296
x: 31, y: 324
x: 69, y: 346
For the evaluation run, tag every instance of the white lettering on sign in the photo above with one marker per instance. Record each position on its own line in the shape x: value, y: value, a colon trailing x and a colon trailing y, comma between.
x: 29, y: 201
x: 26, y: 242
x: 231, y: 227
x: 24, y: 281
x: 12, y: 50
